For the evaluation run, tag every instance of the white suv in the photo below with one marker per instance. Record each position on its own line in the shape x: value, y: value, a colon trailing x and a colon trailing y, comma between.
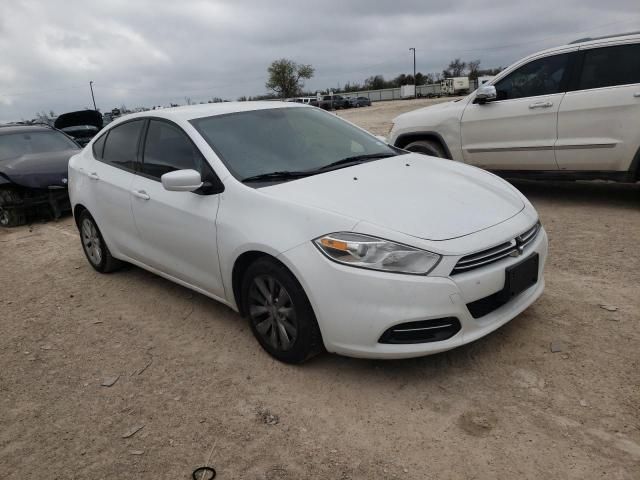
x: 568, y: 112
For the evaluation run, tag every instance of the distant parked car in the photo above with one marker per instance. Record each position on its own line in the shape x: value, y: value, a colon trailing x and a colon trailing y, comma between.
x: 566, y: 113
x: 333, y: 102
x: 33, y: 172
x: 81, y: 125
x: 359, y: 102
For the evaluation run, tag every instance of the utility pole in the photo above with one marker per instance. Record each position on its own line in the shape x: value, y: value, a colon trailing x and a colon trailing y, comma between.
x: 92, y: 97
x: 415, y: 84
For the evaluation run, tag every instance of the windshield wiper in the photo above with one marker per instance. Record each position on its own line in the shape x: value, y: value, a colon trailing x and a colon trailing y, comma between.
x: 282, y: 175
x: 356, y: 159
x: 289, y: 175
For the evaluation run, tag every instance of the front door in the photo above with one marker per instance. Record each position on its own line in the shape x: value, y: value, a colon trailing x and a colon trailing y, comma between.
x: 517, y: 131
x: 177, y: 229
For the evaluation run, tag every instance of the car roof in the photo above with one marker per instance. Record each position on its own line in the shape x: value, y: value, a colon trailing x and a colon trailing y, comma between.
x: 588, y: 42
x: 585, y: 43
x: 6, y: 129
x: 190, y: 112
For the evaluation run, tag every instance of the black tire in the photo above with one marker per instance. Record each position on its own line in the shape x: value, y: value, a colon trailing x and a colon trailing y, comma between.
x: 94, y: 246
x: 427, y: 147
x: 15, y: 216
x: 281, y: 318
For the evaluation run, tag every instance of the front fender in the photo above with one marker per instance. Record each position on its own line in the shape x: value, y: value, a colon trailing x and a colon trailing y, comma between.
x: 250, y: 220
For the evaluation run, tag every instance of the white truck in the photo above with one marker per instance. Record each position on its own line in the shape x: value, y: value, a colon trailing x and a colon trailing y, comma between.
x: 454, y: 86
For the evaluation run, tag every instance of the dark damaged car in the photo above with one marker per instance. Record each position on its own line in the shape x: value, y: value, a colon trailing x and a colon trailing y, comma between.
x: 33, y: 172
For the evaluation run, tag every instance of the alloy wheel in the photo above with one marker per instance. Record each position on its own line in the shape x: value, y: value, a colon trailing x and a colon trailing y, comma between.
x: 4, y: 217
x: 272, y: 312
x: 91, y: 241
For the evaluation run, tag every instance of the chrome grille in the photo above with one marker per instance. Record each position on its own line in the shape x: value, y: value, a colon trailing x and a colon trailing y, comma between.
x: 511, y: 248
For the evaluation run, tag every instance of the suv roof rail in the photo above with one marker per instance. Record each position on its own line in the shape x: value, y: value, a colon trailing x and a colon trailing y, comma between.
x: 589, y: 39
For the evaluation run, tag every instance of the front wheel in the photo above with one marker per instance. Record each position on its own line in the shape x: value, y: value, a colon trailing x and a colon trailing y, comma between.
x: 426, y: 147
x: 12, y: 213
x: 280, y: 315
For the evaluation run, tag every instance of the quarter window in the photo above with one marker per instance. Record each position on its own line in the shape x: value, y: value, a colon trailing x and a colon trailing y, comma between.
x: 539, y: 77
x: 121, y: 147
x: 167, y: 148
x: 610, y: 66
x: 98, y: 147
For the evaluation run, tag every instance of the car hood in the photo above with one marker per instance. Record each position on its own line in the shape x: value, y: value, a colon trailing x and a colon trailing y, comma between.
x: 41, y: 170
x: 421, y: 196
x: 81, y: 117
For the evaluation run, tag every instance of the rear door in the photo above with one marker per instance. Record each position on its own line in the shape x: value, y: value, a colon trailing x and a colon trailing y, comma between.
x: 178, y: 229
x: 517, y: 131
x: 598, y: 120
x: 111, y: 172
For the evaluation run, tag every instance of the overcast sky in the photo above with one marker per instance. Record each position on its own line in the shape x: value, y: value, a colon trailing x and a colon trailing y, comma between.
x: 152, y: 52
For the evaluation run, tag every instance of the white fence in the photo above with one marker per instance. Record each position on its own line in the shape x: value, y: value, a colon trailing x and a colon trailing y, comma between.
x: 394, y: 93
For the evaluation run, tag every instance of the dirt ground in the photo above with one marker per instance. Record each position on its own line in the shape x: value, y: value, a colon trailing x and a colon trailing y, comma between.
x: 191, y: 383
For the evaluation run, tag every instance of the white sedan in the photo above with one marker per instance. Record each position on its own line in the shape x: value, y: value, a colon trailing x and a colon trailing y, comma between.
x: 318, y: 232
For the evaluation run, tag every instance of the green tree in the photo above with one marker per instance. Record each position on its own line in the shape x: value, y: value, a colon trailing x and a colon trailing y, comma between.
x: 286, y: 77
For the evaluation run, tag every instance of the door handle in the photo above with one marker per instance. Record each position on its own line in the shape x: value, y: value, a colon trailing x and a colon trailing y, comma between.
x: 93, y: 176
x: 141, y: 194
x: 541, y: 105
x: 636, y: 95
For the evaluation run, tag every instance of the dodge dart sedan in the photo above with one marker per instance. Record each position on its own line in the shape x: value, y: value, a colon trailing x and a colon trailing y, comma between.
x: 321, y: 234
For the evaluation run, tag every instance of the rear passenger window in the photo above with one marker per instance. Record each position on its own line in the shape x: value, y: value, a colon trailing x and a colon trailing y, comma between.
x: 610, y: 66
x: 167, y: 148
x: 539, y: 77
x: 121, y: 146
x: 98, y: 147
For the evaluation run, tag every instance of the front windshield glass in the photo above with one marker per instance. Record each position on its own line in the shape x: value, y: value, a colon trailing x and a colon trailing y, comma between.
x: 285, y: 139
x: 14, y: 145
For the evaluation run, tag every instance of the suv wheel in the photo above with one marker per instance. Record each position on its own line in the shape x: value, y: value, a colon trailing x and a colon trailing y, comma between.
x: 11, y: 214
x: 280, y: 315
x: 426, y: 147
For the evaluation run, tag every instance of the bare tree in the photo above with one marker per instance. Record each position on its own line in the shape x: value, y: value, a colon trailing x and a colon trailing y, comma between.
x: 456, y: 68
x: 474, y: 68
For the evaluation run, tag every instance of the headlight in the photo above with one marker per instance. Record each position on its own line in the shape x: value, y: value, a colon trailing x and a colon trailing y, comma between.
x: 374, y: 253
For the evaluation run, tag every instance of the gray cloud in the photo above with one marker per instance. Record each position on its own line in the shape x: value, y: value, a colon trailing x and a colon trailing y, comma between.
x: 155, y: 52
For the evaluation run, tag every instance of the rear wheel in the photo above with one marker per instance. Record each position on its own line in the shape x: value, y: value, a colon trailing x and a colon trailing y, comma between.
x: 280, y: 315
x: 94, y: 246
x: 12, y: 213
x: 426, y: 147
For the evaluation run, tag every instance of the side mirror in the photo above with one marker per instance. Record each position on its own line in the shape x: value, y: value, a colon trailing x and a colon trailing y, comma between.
x: 486, y: 93
x: 181, y: 181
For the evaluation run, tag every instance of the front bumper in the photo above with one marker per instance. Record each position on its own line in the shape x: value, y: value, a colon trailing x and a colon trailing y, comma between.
x: 354, y: 307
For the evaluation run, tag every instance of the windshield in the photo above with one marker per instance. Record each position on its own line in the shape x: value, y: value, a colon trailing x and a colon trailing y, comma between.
x: 285, y: 139
x: 24, y: 143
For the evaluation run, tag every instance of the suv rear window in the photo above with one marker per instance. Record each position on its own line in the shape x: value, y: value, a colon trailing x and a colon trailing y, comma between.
x: 610, y: 66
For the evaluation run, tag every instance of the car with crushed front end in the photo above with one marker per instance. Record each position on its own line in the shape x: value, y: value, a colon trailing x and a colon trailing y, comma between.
x: 33, y: 172
x: 323, y: 235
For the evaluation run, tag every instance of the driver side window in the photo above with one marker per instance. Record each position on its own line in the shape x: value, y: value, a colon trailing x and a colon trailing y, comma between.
x: 543, y: 76
x: 167, y: 148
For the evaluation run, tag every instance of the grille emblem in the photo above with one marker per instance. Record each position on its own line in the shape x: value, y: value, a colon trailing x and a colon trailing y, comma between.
x: 519, y: 248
